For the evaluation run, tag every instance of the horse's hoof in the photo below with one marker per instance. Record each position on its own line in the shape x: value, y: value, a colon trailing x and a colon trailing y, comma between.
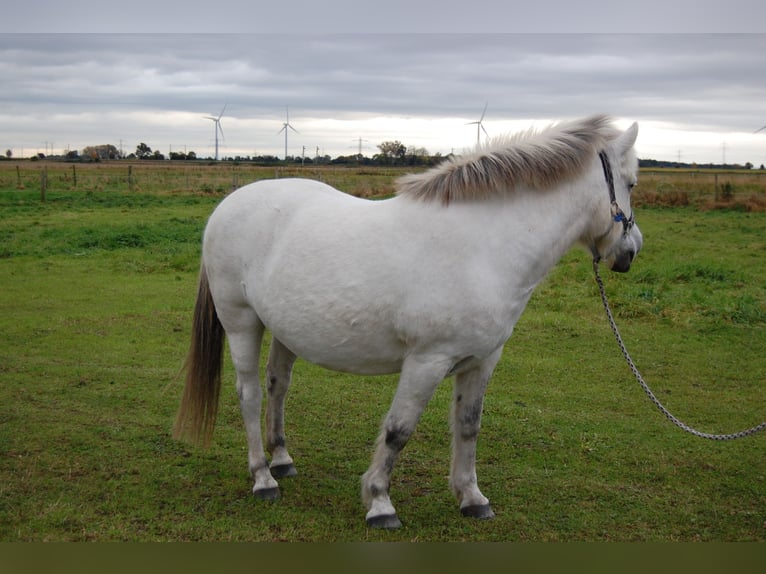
x: 480, y: 511
x: 267, y: 493
x: 387, y: 521
x: 283, y: 470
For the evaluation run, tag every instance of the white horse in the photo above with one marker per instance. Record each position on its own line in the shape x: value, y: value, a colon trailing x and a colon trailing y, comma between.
x: 428, y: 284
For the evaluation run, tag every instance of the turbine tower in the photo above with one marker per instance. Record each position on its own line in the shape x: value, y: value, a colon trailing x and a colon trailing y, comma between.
x: 287, y: 127
x: 480, y: 125
x: 217, y: 128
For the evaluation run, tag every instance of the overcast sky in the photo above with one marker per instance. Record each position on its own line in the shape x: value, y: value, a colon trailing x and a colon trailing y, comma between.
x: 696, y: 96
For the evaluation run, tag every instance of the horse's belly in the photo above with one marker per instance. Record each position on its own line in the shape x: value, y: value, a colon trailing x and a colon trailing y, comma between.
x: 345, y: 351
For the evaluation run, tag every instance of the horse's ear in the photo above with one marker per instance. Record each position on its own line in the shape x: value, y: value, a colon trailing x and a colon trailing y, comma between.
x: 626, y: 139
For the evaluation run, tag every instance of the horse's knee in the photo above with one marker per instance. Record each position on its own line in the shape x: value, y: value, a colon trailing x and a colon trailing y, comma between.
x: 468, y: 419
x: 396, y: 437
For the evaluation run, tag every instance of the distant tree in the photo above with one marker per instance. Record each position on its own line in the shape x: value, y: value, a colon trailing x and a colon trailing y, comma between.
x: 417, y: 156
x: 9, y: 153
x: 345, y: 159
x: 392, y: 152
x: 143, y: 151
x: 156, y: 155
x: 99, y: 152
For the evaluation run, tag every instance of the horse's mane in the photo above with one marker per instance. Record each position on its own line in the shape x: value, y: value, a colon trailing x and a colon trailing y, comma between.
x: 538, y: 160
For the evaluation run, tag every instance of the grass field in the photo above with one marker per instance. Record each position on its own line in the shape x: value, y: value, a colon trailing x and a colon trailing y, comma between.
x: 97, y: 290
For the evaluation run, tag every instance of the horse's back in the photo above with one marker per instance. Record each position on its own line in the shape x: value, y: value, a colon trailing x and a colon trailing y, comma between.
x: 250, y: 219
x: 273, y: 196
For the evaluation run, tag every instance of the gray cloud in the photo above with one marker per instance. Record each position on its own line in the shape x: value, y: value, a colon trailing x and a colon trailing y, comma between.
x: 696, y: 82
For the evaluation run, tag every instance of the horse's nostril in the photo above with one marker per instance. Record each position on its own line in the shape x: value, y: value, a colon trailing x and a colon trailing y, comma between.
x: 632, y: 254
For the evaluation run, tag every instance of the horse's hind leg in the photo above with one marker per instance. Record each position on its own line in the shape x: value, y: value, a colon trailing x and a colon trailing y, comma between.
x: 245, y: 335
x: 468, y: 401
x: 278, y: 374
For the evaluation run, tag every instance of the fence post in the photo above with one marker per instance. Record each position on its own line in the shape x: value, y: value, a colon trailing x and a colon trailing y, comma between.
x: 716, y: 187
x: 130, y: 177
x: 43, y: 183
x: 18, y: 178
x: 74, y: 176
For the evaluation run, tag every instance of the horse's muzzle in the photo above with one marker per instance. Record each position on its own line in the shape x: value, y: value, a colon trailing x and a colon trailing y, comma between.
x: 622, y: 263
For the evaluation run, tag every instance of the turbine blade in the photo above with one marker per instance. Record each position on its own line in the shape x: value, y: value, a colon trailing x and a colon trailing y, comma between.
x: 220, y: 129
x: 483, y: 112
x: 292, y: 128
x: 759, y: 130
x: 484, y: 130
x: 223, y: 110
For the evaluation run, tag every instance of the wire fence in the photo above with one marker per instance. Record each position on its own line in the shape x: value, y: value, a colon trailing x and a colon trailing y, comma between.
x: 167, y: 177
x: 739, y: 189
x: 664, y: 187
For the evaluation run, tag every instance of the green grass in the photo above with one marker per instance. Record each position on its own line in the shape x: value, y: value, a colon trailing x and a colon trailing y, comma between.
x: 97, y: 292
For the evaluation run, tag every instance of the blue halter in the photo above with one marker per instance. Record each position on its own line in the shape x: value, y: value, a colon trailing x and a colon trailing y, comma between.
x: 617, y: 214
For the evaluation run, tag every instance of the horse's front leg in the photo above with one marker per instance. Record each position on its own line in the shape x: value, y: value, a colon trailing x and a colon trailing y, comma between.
x: 278, y: 374
x: 417, y: 383
x: 468, y: 402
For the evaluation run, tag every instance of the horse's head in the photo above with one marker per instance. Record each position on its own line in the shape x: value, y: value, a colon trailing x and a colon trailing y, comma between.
x: 621, y: 241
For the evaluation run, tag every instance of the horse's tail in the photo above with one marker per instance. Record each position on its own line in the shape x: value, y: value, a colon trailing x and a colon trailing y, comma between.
x: 199, y: 406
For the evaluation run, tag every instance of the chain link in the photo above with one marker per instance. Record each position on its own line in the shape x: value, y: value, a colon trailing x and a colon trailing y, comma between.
x: 648, y: 391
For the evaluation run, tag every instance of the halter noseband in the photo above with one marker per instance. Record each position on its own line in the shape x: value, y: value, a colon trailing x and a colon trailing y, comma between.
x: 617, y: 214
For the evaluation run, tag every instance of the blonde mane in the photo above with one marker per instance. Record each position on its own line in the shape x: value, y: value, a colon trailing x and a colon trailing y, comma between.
x: 538, y: 160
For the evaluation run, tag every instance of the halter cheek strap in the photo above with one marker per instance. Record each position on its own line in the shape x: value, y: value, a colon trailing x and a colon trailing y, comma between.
x: 617, y: 214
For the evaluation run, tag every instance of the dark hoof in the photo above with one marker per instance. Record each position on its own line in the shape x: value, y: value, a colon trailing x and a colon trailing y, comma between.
x: 283, y: 470
x: 387, y: 521
x: 480, y: 511
x: 267, y: 493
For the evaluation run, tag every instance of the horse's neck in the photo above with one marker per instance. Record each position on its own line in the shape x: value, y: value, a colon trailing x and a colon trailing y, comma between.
x: 511, y: 242
x: 537, y: 228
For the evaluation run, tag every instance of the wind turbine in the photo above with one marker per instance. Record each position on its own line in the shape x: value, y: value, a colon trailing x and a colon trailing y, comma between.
x: 218, y: 128
x: 285, y: 129
x: 480, y: 125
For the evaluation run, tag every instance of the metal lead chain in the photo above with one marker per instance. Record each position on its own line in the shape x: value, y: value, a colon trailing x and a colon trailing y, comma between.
x: 648, y: 391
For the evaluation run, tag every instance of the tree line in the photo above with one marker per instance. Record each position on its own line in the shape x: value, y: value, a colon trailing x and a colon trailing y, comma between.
x: 654, y: 163
x: 393, y: 153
